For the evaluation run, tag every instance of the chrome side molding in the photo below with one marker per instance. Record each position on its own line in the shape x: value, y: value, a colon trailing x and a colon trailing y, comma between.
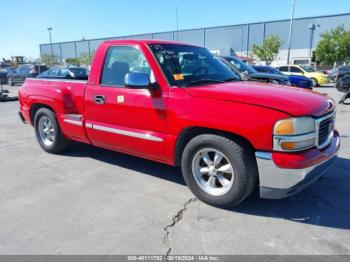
x: 124, y: 132
x: 73, y: 122
x: 74, y: 119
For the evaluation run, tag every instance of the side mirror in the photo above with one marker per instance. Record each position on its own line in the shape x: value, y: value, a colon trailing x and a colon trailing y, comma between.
x: 138, y: 80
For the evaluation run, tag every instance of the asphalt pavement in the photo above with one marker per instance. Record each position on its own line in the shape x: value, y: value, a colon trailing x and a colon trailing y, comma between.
x: 94, y: 201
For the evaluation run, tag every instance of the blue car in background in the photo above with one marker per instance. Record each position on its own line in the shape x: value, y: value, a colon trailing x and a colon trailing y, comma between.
x: 298, y: 81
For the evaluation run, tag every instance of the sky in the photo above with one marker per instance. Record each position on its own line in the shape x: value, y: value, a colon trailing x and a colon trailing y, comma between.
x: 24, y: 23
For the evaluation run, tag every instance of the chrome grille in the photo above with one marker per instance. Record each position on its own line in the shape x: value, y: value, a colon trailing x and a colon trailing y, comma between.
x: 324, y: 129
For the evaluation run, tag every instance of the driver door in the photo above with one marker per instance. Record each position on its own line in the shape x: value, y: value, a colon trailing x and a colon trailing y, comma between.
x: 126, y: 119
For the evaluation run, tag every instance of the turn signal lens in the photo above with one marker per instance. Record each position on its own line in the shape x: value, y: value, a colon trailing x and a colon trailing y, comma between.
x: 291, y: 146
x: 288, y: 145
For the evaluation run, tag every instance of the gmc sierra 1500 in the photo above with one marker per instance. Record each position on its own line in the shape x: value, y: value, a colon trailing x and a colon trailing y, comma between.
x: 175, y: 103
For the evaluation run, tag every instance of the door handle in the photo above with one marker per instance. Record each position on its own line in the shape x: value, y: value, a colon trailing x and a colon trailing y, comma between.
x: 98, y: 99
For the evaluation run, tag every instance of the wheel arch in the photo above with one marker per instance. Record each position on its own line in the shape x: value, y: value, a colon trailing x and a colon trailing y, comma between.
x: 190, y: 132
x: 35, y: 107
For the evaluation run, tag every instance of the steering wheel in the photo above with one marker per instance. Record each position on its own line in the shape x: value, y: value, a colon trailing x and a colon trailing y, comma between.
x: 200, y: 69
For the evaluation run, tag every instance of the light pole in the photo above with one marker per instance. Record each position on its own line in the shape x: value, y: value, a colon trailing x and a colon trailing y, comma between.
x: 177, y: 24
x: 50, y: 29
x: 312, y: 28
x: 290, y: 31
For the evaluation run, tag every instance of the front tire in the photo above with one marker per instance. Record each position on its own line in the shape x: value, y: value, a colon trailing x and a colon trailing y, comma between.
x: 219, y: 171
x: 48, y: 132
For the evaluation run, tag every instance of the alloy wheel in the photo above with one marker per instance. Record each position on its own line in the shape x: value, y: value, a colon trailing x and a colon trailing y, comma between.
x: 46, y: 131
x: 212, y: 171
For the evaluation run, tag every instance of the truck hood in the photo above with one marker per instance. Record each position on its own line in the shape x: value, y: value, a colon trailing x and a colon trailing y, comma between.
x: 290, y: 100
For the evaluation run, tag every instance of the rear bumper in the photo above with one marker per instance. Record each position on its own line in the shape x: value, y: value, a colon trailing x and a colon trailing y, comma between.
x: 277, y: 182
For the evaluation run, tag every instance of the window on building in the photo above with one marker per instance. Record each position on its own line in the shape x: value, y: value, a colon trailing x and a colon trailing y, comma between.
x: 301, y: 62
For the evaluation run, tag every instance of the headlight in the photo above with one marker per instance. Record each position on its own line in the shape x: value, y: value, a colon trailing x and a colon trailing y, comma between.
x: 294, y: 134
x: 295, y: 126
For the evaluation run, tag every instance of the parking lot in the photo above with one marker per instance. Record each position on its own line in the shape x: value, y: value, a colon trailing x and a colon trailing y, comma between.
x: 95, y: 201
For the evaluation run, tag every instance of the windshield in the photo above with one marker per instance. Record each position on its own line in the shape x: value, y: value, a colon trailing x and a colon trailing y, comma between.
x: 308, y: 69
x: 240, y: 65
x: 189, y: 65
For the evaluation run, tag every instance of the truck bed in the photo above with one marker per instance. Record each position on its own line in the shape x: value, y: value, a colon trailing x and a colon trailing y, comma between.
x: 66, y: 97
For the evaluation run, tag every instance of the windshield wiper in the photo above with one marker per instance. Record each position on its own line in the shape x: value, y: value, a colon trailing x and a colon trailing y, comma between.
x: 203, y: 81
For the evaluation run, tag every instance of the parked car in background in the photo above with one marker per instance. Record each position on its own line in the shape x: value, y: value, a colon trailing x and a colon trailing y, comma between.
x: 316, y: 77
x: 295, y: 80
x: 3, y: 75
x: 22, y: 72
x: 189, y: 110
x: 62, y: 72
x: 341, y: 72
x: 248, y: 73
x: 333, y: 73
x: 343, y: 85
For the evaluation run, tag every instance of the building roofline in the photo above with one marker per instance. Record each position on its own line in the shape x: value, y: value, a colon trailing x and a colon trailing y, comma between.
x: 202, y: 28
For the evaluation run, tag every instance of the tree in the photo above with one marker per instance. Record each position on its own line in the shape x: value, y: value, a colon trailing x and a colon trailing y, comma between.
x: 269, y: 50
x: 50, y: 60
x: 73, y: 61
x: 86, y: 58
x: 334, y: 46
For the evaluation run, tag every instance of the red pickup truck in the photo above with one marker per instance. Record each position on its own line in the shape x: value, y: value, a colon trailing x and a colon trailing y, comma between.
x: 176, y: 104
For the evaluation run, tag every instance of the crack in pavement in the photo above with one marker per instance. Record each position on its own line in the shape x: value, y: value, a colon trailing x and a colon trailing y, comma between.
x: 177, y: 218
x: 48, y: 167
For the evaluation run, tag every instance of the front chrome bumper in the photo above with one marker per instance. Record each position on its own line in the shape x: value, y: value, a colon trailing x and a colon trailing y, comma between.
x: 276, y: 182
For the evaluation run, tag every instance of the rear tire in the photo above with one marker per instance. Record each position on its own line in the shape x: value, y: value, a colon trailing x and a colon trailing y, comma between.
x: 213, y: 183
x: 48, y: 132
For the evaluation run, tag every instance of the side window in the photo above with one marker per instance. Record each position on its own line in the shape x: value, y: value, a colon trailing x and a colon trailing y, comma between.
x: 283, y: 68
x: 295, y: 69
x: 121, y: 60
x: 65, y: 73
x: 23, y: 70
x: 53, y: 72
